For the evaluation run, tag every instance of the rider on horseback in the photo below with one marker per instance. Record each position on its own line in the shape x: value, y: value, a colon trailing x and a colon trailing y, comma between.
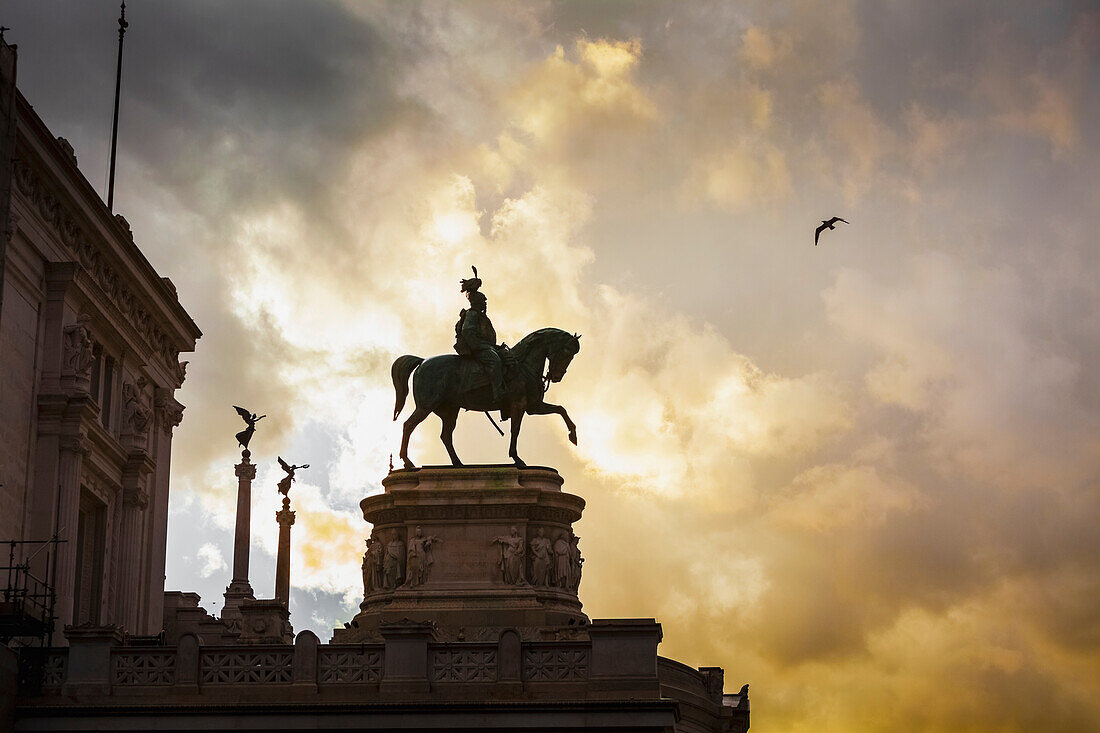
x: 476, y: 337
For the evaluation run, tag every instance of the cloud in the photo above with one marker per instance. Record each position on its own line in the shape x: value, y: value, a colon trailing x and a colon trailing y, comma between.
x: 860, y: 476
x: 211, y: 558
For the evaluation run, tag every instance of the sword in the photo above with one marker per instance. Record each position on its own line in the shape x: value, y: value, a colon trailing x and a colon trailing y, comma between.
x: 494, y: 422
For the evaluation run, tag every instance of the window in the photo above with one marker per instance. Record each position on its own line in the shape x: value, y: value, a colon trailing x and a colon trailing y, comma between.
x: 90, y: 533
x: 108, y: 390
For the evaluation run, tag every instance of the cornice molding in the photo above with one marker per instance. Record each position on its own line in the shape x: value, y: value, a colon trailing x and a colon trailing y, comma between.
x: 94, y: 258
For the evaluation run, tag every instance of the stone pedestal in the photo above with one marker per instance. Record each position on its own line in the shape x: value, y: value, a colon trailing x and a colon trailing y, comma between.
x: 265, y: 621
x: 453, y: 548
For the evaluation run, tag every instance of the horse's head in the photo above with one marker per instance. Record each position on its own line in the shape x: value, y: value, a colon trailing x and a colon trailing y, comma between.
x: 561, y: 354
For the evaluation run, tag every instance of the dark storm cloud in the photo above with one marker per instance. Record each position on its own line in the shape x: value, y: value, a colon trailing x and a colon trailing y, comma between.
x: 282, y: 88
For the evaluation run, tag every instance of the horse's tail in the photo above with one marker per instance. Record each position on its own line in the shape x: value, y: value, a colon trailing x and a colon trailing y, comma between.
x: 402, y: 367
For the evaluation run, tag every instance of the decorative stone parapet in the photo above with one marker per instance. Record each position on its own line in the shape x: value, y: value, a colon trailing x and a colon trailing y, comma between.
x: 611, y: 671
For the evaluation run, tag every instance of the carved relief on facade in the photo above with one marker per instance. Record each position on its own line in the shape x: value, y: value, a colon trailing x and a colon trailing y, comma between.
x: 137, y: 416
x: 78, y: 350
x: 420, y: 558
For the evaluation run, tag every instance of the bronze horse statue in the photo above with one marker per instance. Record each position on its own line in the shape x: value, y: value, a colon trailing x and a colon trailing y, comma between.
x: 446, y: 384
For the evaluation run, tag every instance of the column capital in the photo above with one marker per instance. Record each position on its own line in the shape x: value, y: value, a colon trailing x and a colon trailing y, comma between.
x: 245, y: 469
x: 75, y: 443
x: 169, y: 412
x: 135, y: 496
x: 284, y: 517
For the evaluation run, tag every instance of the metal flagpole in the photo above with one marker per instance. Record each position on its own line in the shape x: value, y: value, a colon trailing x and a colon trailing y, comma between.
x: 122, y: 26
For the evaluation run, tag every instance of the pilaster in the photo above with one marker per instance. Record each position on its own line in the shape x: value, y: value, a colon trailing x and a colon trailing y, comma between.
x: 135, y: 500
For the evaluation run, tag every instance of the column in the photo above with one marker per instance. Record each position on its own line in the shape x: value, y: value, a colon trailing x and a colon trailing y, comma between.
x: 285, y: 518
x: 240, y: 589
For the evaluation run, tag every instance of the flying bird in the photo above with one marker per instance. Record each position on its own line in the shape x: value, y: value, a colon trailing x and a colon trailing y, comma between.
x: 830, y: 224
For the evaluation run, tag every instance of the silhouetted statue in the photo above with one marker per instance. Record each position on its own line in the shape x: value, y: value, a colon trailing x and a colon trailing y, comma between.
x: 448, y: 383
x: 476, y: 337
x: 285, y: 481
x: 250, y: 419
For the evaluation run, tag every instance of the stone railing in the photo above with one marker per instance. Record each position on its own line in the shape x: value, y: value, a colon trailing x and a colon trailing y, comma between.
x: 614, y: 656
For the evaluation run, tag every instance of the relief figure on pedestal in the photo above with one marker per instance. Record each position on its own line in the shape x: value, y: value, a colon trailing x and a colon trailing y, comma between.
x: 370, y: 567
x: 511, y: 558
x: 562, y: 575
x: 391, y: 562
x: 575, y: 562
x: 420, y: 558
x: 542, y: 556
x: 78, y: 347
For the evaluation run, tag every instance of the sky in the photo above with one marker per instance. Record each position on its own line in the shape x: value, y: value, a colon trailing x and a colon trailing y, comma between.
x: 862, y: 477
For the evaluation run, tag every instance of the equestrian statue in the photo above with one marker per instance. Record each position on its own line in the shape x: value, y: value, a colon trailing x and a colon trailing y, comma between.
x: 484, y: 376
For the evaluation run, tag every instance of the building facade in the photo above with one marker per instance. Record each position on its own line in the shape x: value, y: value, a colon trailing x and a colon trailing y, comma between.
x: 90, y: 338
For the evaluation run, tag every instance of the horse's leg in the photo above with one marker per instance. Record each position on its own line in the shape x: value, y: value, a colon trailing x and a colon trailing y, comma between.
x: 449, y: 416
x: 517, y: 419
x: 415, y: 419
x: 545, y: 408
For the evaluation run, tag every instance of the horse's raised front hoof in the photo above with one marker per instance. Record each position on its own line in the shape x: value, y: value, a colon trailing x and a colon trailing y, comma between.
x: 573, y: 437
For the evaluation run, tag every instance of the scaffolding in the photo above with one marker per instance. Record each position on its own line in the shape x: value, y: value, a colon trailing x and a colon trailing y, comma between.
x: 27, y: 602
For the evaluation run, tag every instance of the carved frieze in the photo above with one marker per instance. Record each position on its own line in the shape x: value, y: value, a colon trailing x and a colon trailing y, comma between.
x: 401, y: 515
x: 93, y: 257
